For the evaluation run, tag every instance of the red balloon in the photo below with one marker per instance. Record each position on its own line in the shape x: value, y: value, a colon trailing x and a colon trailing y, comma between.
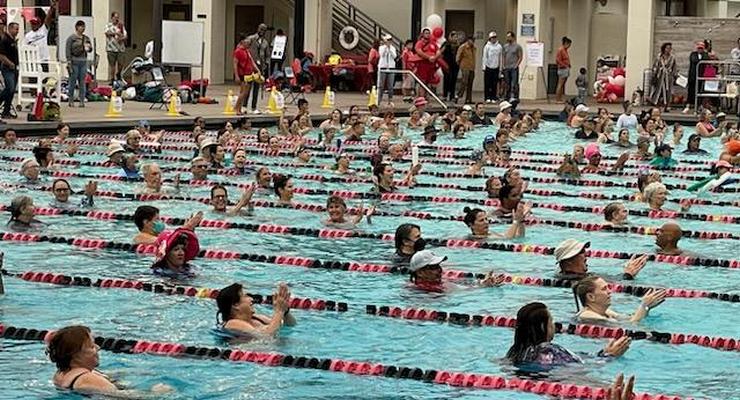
x: 437, y: 32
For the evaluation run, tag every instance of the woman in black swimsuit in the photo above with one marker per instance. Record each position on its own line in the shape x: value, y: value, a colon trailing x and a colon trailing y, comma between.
x: 238, y: 315
x: 75, y: 353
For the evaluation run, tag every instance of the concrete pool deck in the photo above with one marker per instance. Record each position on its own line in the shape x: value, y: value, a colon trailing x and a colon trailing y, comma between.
x: 92, y: 117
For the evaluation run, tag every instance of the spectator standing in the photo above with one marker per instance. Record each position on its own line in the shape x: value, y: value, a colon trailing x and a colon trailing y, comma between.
x: 278, y: 52
x: 407, y: 84
x: 562, y: 60
x: 664, y: 74
x: 373, y: 57
x: 9, y: 67
x: 466, y: 59
x: 697, y: 55
x: 76, y: 48
x: 388, y: 55
x: 582, y: 86
x: 115, y: 45
x: 449, y: 54
x: 243, y: 66
x: 258, y: 49
x: 513, y: 55
x: 38, y: 36
x: 491, y: 61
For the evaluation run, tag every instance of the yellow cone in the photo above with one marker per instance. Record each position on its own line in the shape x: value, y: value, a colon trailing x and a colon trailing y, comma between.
x: 372, y: 98
x: 115, y: 106
x: 173, y: 106
x: 230, y: 102
x: 328, y: 98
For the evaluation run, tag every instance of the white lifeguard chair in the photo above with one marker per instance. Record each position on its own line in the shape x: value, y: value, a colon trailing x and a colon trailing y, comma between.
x: 31, y: 77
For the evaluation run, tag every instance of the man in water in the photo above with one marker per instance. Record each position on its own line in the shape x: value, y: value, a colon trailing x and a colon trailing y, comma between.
x: 572, y: 260
x: 667, y: 237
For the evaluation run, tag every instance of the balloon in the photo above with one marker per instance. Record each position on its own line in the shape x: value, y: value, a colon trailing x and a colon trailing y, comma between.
x: 434, y: 21
x: 619, y: 71
x: 438, y: 32
x: 440, y: 41
x: 619, y: 80
x: 611, y: 80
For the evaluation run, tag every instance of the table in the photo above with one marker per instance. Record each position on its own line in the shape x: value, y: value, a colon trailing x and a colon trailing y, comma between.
x: 322, y: 75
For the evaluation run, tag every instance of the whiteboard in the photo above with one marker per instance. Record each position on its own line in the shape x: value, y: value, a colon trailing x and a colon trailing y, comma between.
x: 182, y: 43
x: 66, y: 25
x: 535, y: 54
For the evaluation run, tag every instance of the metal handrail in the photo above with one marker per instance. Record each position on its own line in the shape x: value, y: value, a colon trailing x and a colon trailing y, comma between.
x: 722, y: 76
x: 416, y: 78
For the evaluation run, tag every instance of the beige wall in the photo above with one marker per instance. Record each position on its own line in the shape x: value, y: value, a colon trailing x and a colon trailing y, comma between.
x: 608, y: 32
x: 641, y: 15
x: 398, y: 21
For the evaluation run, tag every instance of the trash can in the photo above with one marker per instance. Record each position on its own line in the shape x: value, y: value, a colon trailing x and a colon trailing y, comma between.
x: 552, y: 78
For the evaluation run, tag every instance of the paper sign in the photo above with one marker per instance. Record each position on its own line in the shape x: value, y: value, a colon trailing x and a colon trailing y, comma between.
x: 535, y: 54
x: 278, y: 48
x: 527, y: 31
x: 527, y: 19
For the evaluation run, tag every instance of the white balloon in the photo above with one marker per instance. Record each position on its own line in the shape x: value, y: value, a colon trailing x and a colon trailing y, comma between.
x: 434, y: 21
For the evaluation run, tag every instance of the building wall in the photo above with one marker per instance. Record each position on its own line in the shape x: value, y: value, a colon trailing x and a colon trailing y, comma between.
x: 683, y: 32
x: 608, y: 33
x: 398, y: 21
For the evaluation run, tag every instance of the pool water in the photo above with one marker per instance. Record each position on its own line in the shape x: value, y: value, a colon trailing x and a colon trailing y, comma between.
x: 686, y: 370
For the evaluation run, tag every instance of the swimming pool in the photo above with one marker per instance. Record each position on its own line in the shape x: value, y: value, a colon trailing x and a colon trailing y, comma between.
x: 687, y: 370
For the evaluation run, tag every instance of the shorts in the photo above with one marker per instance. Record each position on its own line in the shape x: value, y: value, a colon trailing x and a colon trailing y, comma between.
x: 115, y: 57
x: 563, y: 72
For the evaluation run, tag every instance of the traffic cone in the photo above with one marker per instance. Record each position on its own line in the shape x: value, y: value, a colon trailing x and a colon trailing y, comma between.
x: 173, y: 108
x: 274, y: 103
x: 372, y: 98
x: 38, y: 106
x: 115, y: 106
x: 230, y: 102
x: 328, y: 98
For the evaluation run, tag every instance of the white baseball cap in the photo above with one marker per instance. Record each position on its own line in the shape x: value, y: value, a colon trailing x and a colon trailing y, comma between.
x: 504, y: 105
x: 569, y: 248
x: 492, y: 34
x: 387, y: 37
x: 581, y: 108
x: 424, y: 258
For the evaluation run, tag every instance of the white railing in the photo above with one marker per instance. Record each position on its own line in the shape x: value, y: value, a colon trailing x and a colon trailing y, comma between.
x: 727, y: 71
x: 416, y: 78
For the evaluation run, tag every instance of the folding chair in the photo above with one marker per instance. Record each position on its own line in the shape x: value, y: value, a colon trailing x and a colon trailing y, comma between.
x: 160, y: 81
x: 293, y: 92
x: 32, y: 78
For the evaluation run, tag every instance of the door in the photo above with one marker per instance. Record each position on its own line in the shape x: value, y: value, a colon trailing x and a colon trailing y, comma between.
x: 247, y: 18
x: 461, y: 21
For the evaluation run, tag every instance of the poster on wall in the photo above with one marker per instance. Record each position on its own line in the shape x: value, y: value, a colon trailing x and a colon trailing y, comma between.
x: 535, y: 54
x: 527, y: 19
x: 527, y: 31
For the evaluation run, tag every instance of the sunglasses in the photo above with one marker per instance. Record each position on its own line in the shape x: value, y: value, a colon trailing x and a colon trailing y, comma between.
x: 200, y: 166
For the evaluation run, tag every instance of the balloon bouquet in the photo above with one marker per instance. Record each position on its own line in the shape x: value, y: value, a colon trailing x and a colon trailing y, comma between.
x: 611, y: 88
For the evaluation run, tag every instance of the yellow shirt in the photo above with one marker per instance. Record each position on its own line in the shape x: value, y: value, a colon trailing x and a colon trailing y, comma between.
x: 334, y: 59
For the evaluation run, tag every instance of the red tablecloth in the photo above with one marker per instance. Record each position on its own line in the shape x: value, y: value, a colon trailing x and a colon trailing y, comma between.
x: 322, y: 73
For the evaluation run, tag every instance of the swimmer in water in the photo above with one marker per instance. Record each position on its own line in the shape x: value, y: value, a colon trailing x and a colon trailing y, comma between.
x: 533, y: 346
x: 477, y: 220
x: 75, y: 354
x: 61, y: 189
x: 22, y: 215
x: 337, y: 210
x: 220, y: 199
x: 153, y: 180
x: 174, y: 251
x: 615, y: 214
x: 594, y: 295
x: 667, y: 237
x: 425, y: 273
x: 263, y: 178
x: 238, y: 315
x: 571, y: 258
x: 283, y: 186
x: 30, y: 171
x: 656, y: 194
x: 150, y: 225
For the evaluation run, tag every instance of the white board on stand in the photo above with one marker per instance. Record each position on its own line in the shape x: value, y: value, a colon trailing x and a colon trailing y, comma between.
x: 182, y: 43
x: 66, y: 25
x: 535, y: 54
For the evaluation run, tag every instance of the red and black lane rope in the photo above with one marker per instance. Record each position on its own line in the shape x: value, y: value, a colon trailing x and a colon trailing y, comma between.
x: 583, y: 330
x: 349, y: 194
x: 306, y: 262
x: 359, y: 368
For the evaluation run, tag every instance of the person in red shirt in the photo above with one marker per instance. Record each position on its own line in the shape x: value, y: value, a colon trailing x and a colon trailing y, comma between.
x: 428, y: 54
x: 562, y: 59
x: 373, y: 57
x: 244, y: 65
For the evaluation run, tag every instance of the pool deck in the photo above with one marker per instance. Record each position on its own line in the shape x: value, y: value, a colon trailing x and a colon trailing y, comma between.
x: 92, y: 117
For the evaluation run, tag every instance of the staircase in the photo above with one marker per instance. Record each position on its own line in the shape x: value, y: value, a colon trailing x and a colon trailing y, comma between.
x: 345, y: 14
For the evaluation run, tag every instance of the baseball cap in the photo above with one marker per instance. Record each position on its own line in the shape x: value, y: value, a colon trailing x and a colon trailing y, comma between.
x: 569, y: 248
x: 489, y: 139
x: 721, y: 115
x: 34, y: 21
x: 467, y: 107
x: 492, y: 34
x: 581, y: 108
x: 424, y: 258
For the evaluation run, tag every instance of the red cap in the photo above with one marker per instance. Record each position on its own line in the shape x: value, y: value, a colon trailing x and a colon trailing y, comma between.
x: 35, y: 21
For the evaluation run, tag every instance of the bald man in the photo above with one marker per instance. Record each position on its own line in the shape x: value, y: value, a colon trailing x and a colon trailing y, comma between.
x: 667, y: 237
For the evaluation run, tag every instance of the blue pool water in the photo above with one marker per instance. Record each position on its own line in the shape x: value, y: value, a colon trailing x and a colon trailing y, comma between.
x: 687, y: 370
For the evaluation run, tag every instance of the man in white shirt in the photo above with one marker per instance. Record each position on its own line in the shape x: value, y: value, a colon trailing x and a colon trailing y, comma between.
x: 627, y: 120
x: 115, y: 45
x: 388, y: 55
x: 491, y: 68
x: 38, y: 36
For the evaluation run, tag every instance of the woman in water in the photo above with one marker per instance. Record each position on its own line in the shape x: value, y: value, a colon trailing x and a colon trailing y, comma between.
x: 594, y: 295
x: 692, y: 147
x: 341, y: 167
x: 477, y: 220
x: 283, y: 186
x: 337, y: 210
x: 624, y: 139
x: 407, y: 241
x: 238, y: 314
x: 22, y: 212
x: 533, y: 337
x: 476, y: 169
x: 75, y: 354
x: 704, y: 127
x: 663, y: 157
x: 568, y: 169
x: 263, y: 136
x: 615, y: 214
x: 263, y: 178
x: 383, y: 174
x: 29, y: 171
x: 335, y: 120
x: 174, y: 250
x: 721, y: 177
x: 493, y: 186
